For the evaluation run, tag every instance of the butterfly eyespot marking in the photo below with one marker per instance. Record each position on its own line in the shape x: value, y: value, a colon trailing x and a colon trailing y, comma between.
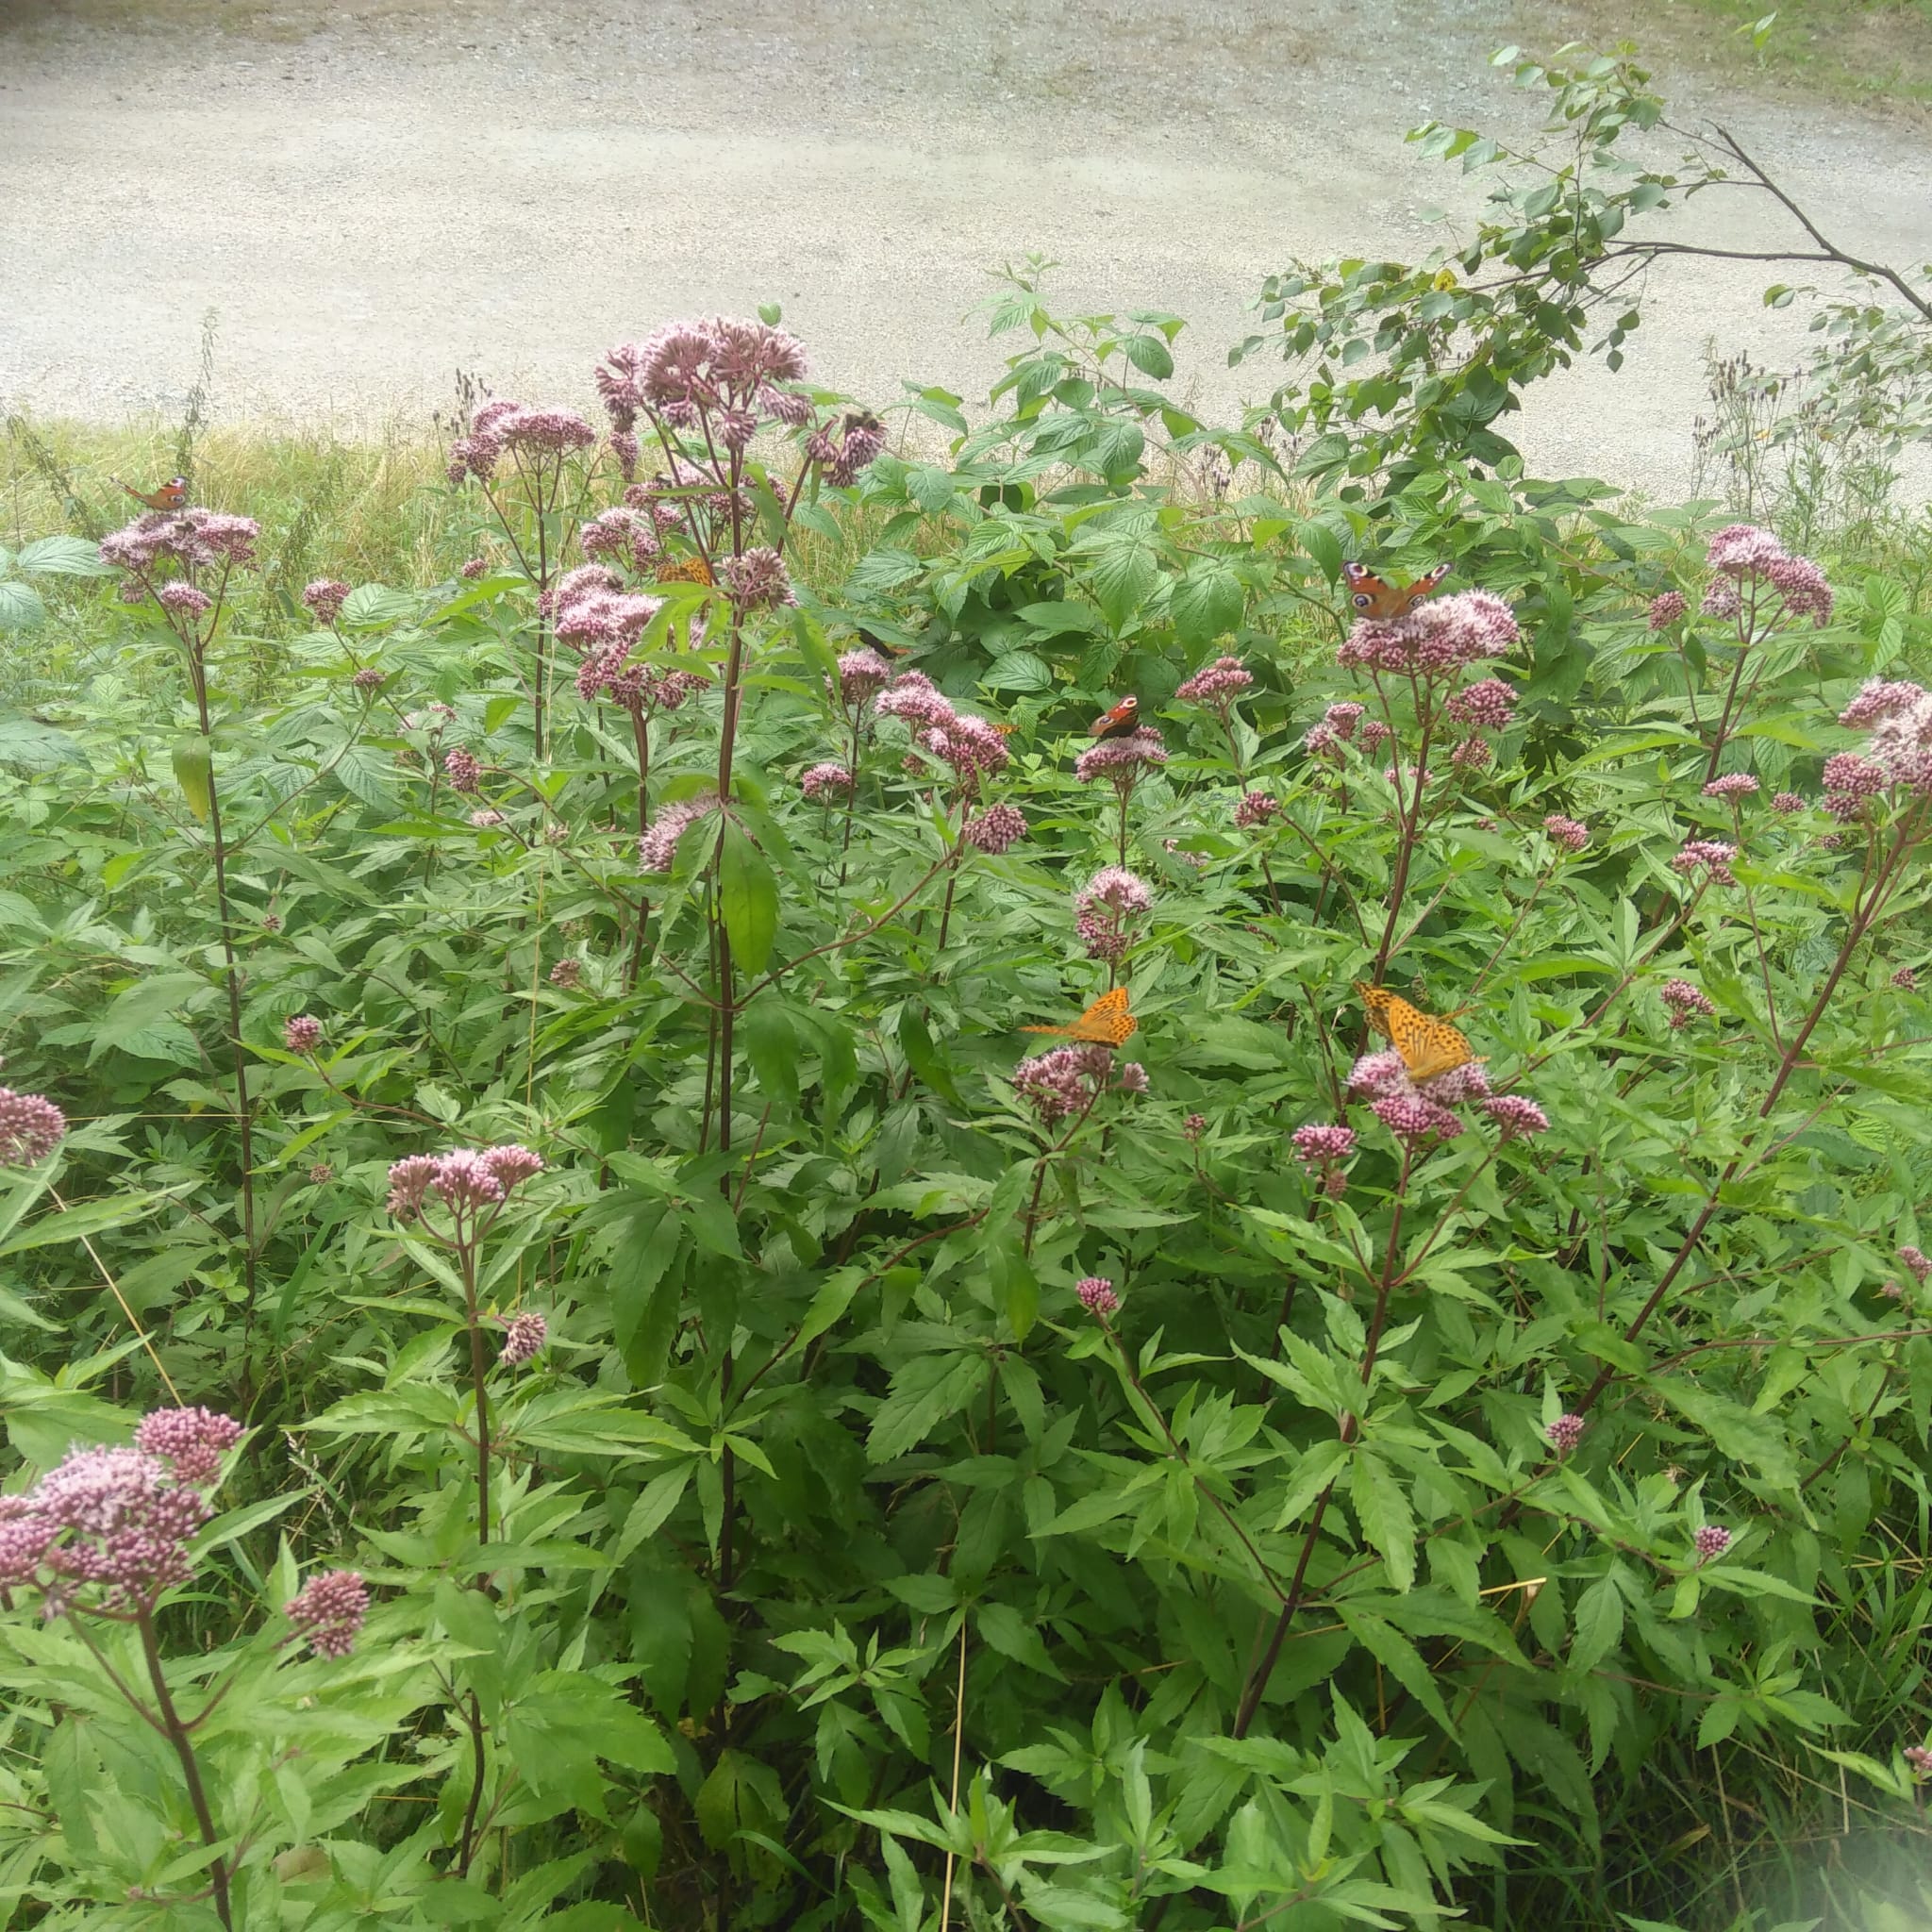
x: 1387, y: 602
x: 1105, y: 1023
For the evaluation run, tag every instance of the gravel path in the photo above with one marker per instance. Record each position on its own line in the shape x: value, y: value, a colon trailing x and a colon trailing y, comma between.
x: 410, y: 188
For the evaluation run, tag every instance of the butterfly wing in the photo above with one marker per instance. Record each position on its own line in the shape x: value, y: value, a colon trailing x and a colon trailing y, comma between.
x: 1118, y: 721
x: 687, y: 570
x: 1423, y: 587
x: 1429, y: 1046
x: 1377, y: 1001
x: 1105, y: 1023
x: 1369, y: 596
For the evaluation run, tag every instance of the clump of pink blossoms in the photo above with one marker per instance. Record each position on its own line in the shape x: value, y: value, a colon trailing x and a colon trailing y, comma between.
x: 1098, y: 1296
x: 471, y: 1186
x: 329, y: 1610
x: 968, y: 744
x: 1064, y: 1082
x: 826, y: 784
x: 30, y: 1129
x: 1685, y: 1002
x: 996, y: 829
x: 302, y: 1034
x: 1435, y: 640
x: 523, y: 1340
x: 1106, y: 909
x: 1218, y: 685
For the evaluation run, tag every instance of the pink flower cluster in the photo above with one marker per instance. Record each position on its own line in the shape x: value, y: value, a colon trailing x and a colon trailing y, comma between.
x: 324, y: 598
x: 1565, y: 1433
x: 121, y: 1519
x: 1685, y: 1002
x: 461, y: 768
x: 1421, y: 1112
x: 1711, y: 1541
x: 1489, y: 703
x: 1666, y: 610
x: 329, y: 1610
x: 524, y: 1338
x: 967, y: 744
x: 758, y: 580
x: 996, y: 829
x: 1899, y: 751
x: 1121, y: 761
x: 1064, y: 1082
x: 862, y: 675
x: 1106, y: 908
x: 194, y: 539
x: 658, y: 848
x: 1787, y: 802
x: 627, y: 534
x: 1098, y: 1296
x: 1712, y: 857
x: 1917, y: 1262
x: 826, y: 784
x: 302, y: 1034
x: 1218, y: 685
x: 852, y: 450
x: 1336, y: 726
x: 711, y: 365
x: 1743, y: 552
x: 590, y: 610
x: 1732, y: 785
x: 566, y: 974
x: 1322, y: 1149
x: 177, y: 594
x: 465, y: 1182
x: 1255, y: 808
x: 534, y: 435
x: 1435, y: 639
x: 30, y: 1129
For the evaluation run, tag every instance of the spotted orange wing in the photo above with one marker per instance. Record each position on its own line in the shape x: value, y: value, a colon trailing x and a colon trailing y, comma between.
x: 1385, y: 602
x: 1429, y: 1046
x: 1105, y: 1023
x: 686, y: 569
x: 171, y: 494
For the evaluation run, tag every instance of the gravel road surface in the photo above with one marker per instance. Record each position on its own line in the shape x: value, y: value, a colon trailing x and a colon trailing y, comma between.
x: 373, y: 195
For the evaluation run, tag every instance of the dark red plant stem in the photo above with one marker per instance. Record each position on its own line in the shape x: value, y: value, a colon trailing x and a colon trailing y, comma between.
x: 466, y: 1846
x: 479, y: 1369
x: 177, y: 1733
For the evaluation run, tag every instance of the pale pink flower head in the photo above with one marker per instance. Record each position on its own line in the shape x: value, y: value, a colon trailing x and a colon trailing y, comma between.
x: 1132, y: 1078
x: 1489, y: 703
x: 1118, y: 889
x: 1666, y: 610
x: 1565, y: 1433
x: 183, y: 597
x: 543, y: 432
x: 566, y: 974
x: 118, y: 1518
x: 461, y: 768
x: 1380, y: 1073
x: 1436, y: 638
x: 324, y: 598
x: 475, y: 567
x: 1318, y: 1145
x: 1121, y: 761
x: 1518, y: 1117
x: 369, y: 679
x: 1685, y: 1002
x: 863, y: 436
x: 1322, y: 740
x: 658, y: 848
x: 1376, y: 733
x: 1712, y: 857
x: 1218, y: 684
x: 996, y: 829
x: 302, y: 1034
x: 192, y: 1439
x: 1743, y: 550
x: 1098, y: 1296
x: 913, y: 696
x: 1065, y: 1081
x: 1255, y: 808
x: 1916, y: 1261
x: 523, y: 1340
x: 511, y: 1163
x: 329, y: 1610
x: 1804, y: 589
x: 1193, y: 1127
x: 1470, y: 1081
x: 1473, y: 754
x: 1711, y: 1541
x: 1567, y: 833
x: 1906, y: 979
x: 1881, y: 698
x: 1411, y: 1117
x: 862, y: 673
x: 1732, y: 785
x: 1342, y: 718
x: 321, y: 1172
x: 758, y: 580
x: 1720, y: 599
x: 826, y: 784
x: 30, y: 1129
x: 1787, y: 802
x: 1106, y: 908
x: 1919, y: 1761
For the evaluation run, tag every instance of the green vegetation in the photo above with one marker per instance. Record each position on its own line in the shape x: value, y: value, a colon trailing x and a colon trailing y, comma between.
x: 691, y: 1236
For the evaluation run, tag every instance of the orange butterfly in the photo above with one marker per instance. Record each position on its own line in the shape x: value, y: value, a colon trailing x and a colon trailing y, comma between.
x: 171, y: 495
x: 1005, y: 726
x: 687, y: 570
x: 1105, y: 1023
x: 1383, y: 602
x: 1118, y: 721
x: 1429, y: 1046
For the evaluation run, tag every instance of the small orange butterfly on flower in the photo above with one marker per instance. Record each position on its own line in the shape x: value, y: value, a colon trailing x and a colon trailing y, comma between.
x: 170, y: 495
x: 1429, y: 1046
x: 1384, y: 602
x: 1105, y: 1023
x: 687, y: 570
